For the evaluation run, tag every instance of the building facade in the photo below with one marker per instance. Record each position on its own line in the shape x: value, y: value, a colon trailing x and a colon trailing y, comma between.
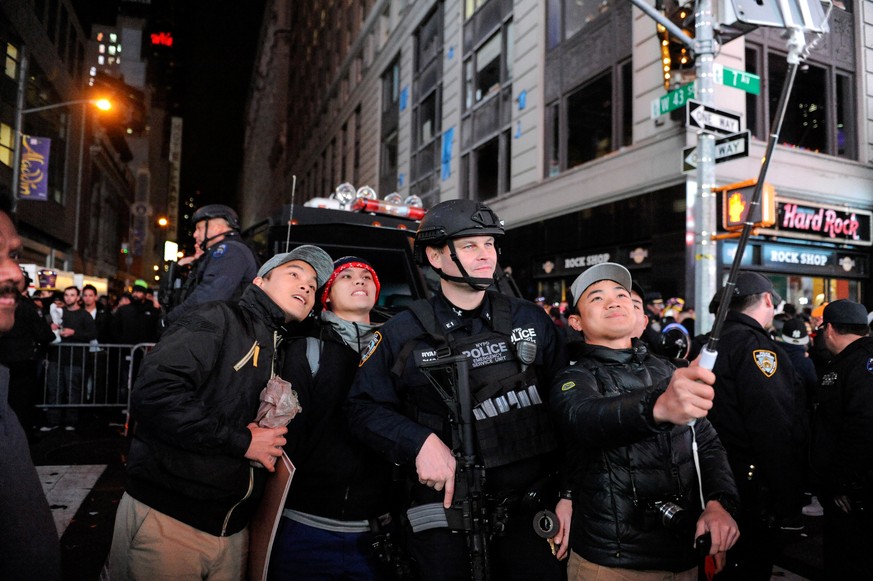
x: 108, y: 173
x: 543, y: 110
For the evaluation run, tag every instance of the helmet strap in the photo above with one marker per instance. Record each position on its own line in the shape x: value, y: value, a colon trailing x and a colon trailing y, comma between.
x: 477, y: 284
x: 207, y: 238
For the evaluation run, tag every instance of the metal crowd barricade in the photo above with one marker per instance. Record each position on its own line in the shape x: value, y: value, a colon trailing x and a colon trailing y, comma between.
x: 91, y: 375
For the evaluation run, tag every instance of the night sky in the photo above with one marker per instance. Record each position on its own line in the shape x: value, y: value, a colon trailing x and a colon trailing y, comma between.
x: 214, y: 47
x: 218, y: 44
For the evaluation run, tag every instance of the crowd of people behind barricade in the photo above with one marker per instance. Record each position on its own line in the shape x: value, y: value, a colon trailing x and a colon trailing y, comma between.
x: 473, y: 435
x: 57, y: 350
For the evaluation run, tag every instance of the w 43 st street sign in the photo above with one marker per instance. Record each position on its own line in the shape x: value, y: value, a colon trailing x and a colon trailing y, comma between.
x: 672, y: 100
x: 726, y: 148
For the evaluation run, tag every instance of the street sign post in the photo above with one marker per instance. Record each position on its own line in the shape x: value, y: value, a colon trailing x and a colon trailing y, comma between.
x: 672, y: 100
x: 748, y: 82
x: 712, y: 120
x: 726, y: 148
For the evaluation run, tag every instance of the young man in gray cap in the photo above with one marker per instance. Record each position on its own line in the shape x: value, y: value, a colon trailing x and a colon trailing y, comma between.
x: 624, y: 413
x: 191, y: 488
x: 759, y: 414
x: 842, y: 440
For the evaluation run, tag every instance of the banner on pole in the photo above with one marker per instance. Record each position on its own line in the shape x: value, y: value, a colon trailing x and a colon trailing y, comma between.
x: 33, y: 173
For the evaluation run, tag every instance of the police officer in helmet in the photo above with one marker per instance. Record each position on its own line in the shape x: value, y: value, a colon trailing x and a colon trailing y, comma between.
x: 513, y: 350
x: 223, y: 266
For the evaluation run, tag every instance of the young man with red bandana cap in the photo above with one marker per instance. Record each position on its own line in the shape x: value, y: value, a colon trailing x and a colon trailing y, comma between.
x: 339, y: 497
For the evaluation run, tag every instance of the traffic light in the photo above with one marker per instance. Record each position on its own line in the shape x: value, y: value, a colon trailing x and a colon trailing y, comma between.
x: 676, y: 58
x: 735, y: 202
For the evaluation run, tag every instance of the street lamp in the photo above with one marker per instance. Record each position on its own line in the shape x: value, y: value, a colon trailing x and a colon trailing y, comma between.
x: 20, y: 112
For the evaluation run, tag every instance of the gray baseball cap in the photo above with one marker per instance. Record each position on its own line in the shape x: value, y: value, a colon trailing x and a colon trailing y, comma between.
x: 314, y: 256
x: 598, y: 272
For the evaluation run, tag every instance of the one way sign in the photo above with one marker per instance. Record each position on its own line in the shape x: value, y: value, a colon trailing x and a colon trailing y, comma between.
x: 726, y: 149
x: 711, y: 119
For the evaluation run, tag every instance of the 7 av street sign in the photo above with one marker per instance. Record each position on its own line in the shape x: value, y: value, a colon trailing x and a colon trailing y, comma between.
x: 726, y: 148
x: 711, y: 119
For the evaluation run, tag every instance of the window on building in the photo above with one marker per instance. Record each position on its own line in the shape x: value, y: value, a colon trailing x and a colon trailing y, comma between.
x: 471, y: 6
x: 388, y: 173
x: 486, y: 160
x: 485, y: 142
x: 390, y: 120
x: 487, y: 61
x: 566, y: 18
x: 12, y: 61
x: 391, y: 87
x: 6, y: 144
x: 427, y: 108
x: 820, y: 116
x: 553, y: 152
x: 356, y: 155
x: 589, y: 121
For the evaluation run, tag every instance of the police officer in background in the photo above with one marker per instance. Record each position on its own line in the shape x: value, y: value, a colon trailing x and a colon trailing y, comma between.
x: 759, y: 414
x: 842, y: 440
x: 223, y: 265
x: 514, y: 350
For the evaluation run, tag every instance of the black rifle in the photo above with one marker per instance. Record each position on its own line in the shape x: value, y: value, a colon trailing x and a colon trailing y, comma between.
x: 469, y: 475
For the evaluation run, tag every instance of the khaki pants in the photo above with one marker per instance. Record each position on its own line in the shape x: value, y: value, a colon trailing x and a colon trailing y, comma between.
x: 578, y: 569
x: 149, y: 545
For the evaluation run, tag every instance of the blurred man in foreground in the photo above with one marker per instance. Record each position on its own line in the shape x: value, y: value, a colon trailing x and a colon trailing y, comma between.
x: 29, y: 547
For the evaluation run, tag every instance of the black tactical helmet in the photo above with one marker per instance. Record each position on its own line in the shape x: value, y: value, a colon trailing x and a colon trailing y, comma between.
x: 216, y: 211
x: 454, y: 219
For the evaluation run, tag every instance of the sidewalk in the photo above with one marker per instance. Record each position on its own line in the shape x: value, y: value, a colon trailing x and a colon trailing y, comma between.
x: 83, y: 468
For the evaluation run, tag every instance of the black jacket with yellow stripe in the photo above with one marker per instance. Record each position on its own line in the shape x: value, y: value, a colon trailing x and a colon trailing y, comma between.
x: 195, y: 394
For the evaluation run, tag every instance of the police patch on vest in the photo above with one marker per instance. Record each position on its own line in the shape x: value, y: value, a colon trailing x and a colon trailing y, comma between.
x: 371, y: 347
x: 488, y: 353
x: 219, y: 250
x: 523, y: 334
x: 870, y: 365
x: 766, y: 361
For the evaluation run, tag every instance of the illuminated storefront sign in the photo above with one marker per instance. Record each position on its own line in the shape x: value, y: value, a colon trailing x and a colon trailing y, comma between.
x: 795, y: 219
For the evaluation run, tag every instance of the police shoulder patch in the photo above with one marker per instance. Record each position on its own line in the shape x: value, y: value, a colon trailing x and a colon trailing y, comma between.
x: 370, y: 348
x: 219, y: 250
x: 568, y: 386
x: 766, y: 361
x: 870, y: 365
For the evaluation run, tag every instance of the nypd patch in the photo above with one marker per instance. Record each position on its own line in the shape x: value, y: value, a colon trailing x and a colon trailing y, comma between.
x: 766, y: 361
x: 870, y: 365
x: 219, y: 250
x: 370, y: 348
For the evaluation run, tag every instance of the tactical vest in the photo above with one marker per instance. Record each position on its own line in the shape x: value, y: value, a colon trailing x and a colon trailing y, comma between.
x: 512, y: 422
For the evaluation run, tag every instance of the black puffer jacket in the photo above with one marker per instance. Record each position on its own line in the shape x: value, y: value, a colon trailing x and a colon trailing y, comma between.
x: 196, y: 392
x: 625, y: 462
